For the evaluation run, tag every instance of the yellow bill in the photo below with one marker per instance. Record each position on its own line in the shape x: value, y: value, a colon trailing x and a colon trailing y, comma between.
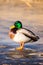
x: 11, y: 27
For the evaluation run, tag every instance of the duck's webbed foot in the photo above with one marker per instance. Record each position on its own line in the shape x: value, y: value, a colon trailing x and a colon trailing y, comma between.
x: 21, y: 46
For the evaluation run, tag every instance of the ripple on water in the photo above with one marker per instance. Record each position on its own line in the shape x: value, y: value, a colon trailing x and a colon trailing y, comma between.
x: 8, y: 55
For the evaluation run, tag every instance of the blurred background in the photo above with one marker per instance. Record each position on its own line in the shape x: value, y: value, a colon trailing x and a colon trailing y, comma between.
x: 29, y: 11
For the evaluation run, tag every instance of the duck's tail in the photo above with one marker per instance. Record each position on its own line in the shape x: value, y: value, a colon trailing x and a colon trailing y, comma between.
x: 35, y: 38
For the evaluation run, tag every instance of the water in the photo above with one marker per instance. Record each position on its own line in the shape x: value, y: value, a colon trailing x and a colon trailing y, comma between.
x: 8, y: 55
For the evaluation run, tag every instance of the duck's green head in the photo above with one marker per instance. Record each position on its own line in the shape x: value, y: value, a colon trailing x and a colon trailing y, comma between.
x: 17, y: 24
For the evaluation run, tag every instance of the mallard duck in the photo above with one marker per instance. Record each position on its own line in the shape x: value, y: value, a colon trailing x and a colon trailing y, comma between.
x: 21, y: 35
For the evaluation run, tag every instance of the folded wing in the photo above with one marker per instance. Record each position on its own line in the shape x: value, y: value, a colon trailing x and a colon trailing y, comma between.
x: 29, y: 34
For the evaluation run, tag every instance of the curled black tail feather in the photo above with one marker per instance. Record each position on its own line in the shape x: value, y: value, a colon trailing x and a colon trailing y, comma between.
x: 35, y: 38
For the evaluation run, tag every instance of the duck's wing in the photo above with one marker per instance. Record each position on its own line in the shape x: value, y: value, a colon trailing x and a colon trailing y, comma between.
x: 29, y: 34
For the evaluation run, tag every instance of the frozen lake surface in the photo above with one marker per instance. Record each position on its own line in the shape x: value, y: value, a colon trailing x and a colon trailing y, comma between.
x: 8, y: 55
